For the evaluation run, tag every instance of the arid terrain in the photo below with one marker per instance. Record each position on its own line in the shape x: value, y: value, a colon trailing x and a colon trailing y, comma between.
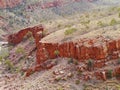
x: 59, y: 45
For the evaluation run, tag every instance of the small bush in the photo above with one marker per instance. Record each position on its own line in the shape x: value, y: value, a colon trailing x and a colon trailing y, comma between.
x: 85, y: 22
x: 20, y: 50
x: 79, y: 72
x: 60, y: 88
x: 59, y: 25
x: 9, y: 65
x: 101, y: 24
x: 1, y: 58
x: 119, y: 15
x: 70, y: 31
x: 75, y: 62
x: 113, y: 22
x: 56, y: 52
x: 90, y: 64
x: 29, y: 34
x: 118, y: 9
x: 77, y: 82
x: 109, y: 74
x: 87, y: 16
x: 70, y: 60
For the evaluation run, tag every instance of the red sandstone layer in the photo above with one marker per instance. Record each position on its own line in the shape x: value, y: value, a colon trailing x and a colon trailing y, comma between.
x: 19, y: 36
x: 9, y: 3
x: 98, y: 48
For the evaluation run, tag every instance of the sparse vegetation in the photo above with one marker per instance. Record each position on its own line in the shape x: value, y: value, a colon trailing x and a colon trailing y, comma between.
x: 109, y: 74
x: 85, y: 22
x: 75, y: 62
x: 59, y: 25
x: 70, y: 60
x: 31, y: 39
x: 113, y: 22
x: 28, y: 35
x: 90, y: 64
x: 58, y: 78
x: 101, y: 24
x: 9, y: 65
x: 56, y: 52
x: 79, y: 72
x: 87, y: 15
x: 60, y: 88
x: 1, y: 58
x: 77, y: 82
x: 70, y: 31
x: 119, y: 15
x: 20, y: 50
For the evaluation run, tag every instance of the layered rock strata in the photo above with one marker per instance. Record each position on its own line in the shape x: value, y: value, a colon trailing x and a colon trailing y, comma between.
x: 99, y: 49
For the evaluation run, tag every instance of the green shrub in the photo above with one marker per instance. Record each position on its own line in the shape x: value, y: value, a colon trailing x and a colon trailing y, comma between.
x: 90, y: 64
x: 1, y: 58
x: 56, y: 52
x: 101, y: 24
x: 118, y: 9
x: 119, y: 15
x: 70, y: 60
x: 87, y: 16
x: 20, y: 50
x: 75, y: 62
x: 113, y: 22
x: 29, y: 34
x: 85, y: 22
x: 9, y: 65
x: 4, y: 52
x: 59, y: 25
x: 60, y: 88
x: 109, y: 74
x: 70, y: 31
x: 79, y: 72
x: 77, y: 82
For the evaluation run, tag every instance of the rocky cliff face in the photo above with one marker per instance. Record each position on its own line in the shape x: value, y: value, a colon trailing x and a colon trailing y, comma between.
x: 19, y: 36
x: 9, y: 3
x: 98, y: 49
x: 27, y: 46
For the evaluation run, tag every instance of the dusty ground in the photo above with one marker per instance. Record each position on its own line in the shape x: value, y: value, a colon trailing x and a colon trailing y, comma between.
x: 63, y: 76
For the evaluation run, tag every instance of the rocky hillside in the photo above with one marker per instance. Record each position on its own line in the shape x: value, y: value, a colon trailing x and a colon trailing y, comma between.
x: 9, y: 3
x: 32, y: 12
x: 62, y: 44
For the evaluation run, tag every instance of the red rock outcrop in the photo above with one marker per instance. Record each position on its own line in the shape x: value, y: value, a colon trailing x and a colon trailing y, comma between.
x: 19, y: 36
x: 97, y: 49
x: 27, y: 46
x: 9, y: 3
x: 100, y: 49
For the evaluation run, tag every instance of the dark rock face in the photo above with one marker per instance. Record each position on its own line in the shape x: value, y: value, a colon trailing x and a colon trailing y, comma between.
x: 9, y: 3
